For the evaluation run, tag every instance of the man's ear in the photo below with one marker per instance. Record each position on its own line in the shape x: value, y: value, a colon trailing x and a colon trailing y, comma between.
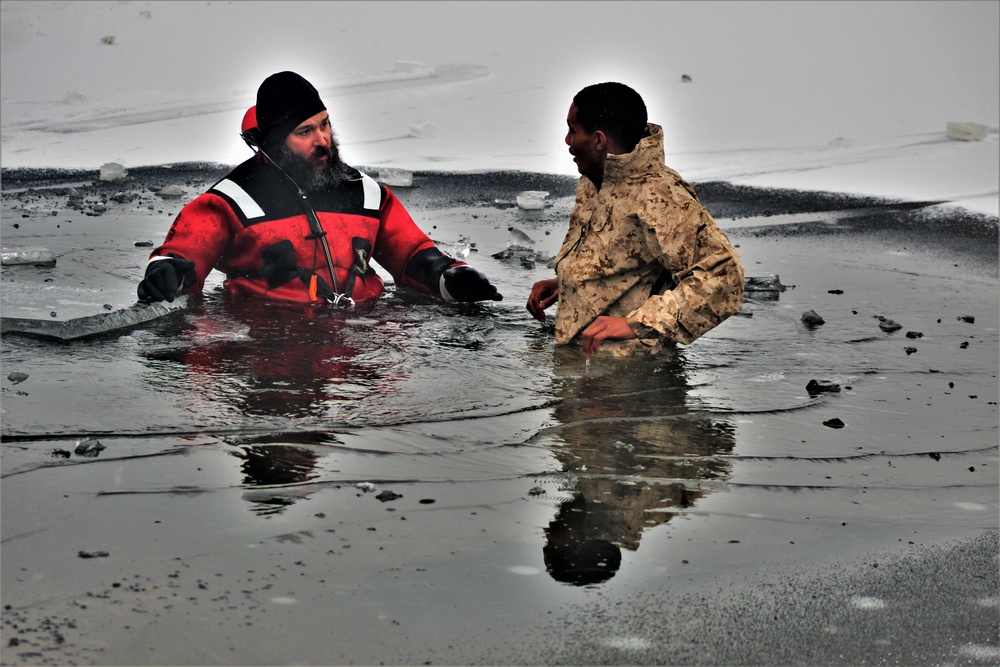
x: 600, y: 140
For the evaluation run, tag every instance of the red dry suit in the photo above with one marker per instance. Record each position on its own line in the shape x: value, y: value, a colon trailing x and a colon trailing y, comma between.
x: 252, y: 225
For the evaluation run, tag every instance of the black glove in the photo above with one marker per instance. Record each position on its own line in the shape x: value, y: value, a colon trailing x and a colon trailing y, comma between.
x: 165, y: 278
x: 464, y: 283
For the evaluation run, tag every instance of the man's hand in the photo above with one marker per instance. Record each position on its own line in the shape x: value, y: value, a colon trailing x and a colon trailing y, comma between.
x: 464, y: 283
x: 605, y: 328
x: 165, y: 278
x: 543, y: 294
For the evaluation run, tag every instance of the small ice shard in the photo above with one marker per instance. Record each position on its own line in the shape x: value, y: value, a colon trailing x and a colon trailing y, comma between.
x: 74, y: 97
x: 396, y: 178
x: 628, y: 643
x: 518, y: 238
x: 16, y: 377
x: 11, y: 256
x: 531, y: 200
x: 171, y: 192
x: 763, y: 287
x: 518, y: 247
x: 967, y: 131
x: 524, y: 255
x: 423, y: 129
x: 812, y: 319
x: 763, y: 284
x: 89, y: 447
x: 108, y: 41
x: 367, y: 487
x: 815, y: 387
x: 112, y: 171
x: 459, y: 249
x: 889, y: 326
x: 863, y: 602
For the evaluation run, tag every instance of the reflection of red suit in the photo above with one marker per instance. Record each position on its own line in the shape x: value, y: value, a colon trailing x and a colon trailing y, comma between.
x: 252, y: 225
x: 289, y: 361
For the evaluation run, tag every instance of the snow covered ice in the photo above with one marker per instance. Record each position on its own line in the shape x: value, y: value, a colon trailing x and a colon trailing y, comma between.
x: 818, y: 96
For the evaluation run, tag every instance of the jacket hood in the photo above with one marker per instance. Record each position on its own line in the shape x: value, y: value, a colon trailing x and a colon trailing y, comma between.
x: 647, y: 157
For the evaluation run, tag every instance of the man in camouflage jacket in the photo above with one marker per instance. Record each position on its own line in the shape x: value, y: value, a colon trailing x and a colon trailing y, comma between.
x: 643, y: 262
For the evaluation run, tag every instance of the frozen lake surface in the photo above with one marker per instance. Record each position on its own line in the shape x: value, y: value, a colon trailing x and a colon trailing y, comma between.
x: 415, y: 481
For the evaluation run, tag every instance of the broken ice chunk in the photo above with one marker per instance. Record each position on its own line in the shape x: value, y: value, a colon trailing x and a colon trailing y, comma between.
x: 112, y: 171
x: 11, y: 256
x: 397, y: 178
x: 532, y: 200
x: 423, y: 129
x: 82, y: 327
x: 967, y: 131
x: 89, y: 447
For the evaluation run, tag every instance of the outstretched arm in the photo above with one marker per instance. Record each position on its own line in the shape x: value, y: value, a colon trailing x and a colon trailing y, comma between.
x: 414, y: 261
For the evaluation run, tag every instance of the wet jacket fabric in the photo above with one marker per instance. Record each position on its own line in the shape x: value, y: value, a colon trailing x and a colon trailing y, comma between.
x: 252, y: 225
x: 644, y: 248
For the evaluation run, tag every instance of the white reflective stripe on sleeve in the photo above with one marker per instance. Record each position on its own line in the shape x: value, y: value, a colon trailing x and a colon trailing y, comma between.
x: 156, y: 259
x: 445, y: 294
x: 373, y: 193
x: 243, y: 201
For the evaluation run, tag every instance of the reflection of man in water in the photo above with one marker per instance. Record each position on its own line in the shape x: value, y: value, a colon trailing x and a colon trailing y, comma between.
x: 269, y: 465
x: 285, y: 364
x: 634, y: 453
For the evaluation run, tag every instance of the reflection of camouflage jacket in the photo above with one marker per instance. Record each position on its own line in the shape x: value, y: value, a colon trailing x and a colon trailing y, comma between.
x: 646, y: 221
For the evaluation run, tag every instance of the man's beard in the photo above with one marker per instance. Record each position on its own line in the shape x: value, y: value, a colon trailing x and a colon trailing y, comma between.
x: 306, y: 175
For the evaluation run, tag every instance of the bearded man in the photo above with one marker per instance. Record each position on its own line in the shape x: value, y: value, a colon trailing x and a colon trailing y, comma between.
x: 294, y: 223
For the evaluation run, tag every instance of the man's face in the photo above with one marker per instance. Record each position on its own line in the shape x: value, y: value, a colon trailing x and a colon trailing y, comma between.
x: 313, y: 141
x: 587, y: 148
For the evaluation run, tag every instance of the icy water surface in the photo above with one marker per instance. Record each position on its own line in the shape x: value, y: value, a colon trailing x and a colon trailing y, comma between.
x: 412, y: 480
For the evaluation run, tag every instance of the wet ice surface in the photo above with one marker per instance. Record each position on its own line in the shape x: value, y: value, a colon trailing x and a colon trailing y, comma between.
x: 415, y: 481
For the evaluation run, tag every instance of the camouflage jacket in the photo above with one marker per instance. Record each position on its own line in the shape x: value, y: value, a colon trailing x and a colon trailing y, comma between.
x: 644, y: 248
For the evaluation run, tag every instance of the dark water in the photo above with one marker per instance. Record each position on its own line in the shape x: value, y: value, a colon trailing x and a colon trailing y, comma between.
x: 522, y: 478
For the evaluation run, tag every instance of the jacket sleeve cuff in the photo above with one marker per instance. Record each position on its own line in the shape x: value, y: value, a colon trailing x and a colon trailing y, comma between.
x: 657, y: 319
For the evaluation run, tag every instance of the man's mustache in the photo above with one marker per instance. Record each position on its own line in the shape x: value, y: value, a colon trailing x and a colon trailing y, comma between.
x: 320, y: 152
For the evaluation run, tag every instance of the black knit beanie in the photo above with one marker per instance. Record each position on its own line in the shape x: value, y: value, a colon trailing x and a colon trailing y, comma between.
x: 284, y: 100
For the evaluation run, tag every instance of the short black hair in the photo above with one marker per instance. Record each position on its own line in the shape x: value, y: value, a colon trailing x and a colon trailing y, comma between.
x: 613, y: 108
